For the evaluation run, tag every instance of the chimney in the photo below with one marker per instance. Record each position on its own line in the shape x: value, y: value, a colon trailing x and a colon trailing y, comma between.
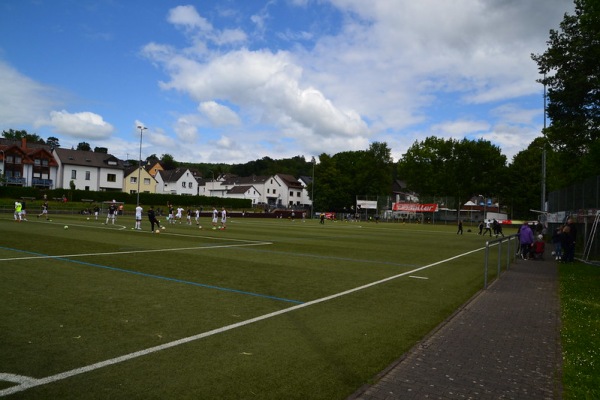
x: 24, y: 143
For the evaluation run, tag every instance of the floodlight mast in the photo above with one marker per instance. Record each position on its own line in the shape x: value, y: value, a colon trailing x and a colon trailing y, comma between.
x: 141, y: 128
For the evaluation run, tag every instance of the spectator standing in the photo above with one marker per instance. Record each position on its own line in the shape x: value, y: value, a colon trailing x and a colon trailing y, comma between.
x: 557, y: 243
x: 569, y: 239
x: 460, y: 227
x: 525, y: 239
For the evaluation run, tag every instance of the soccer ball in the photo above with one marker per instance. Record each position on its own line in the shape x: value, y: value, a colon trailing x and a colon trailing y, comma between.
x: 163, y: 228
x: 199, y: 226
x: 66, y: 227
x: 88, y: 218
x: 158, y: 231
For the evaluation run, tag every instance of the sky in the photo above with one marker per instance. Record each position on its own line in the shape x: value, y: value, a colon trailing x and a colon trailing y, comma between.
x: 231, y: 81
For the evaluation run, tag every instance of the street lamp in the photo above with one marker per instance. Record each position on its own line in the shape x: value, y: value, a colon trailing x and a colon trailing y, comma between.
x: 141, y: 128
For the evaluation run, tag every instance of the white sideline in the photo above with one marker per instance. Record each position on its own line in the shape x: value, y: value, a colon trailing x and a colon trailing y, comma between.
x: 112, y: 253
x: 28, y: 382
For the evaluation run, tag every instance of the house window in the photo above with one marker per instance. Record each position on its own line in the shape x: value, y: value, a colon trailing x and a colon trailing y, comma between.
x: 268, y: 190
x: 17, y: 160
x: 45, y: 163
x: 291, y: 194
x: 111, y: 177
x: 87, y: 175
x: 73, y: 174
x: 146, y: 181
x: 9, y: 159
x: 37, y: 162
x: 133, y: 179
x: 274, y: 191
x: 297, y: 194
x: 183, y: 184
x: 189, y: 185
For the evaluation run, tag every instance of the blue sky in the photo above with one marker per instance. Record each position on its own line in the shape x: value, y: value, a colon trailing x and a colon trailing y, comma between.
x: 236, y: 80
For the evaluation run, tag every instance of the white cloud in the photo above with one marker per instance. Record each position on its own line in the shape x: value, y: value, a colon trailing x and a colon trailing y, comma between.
x: 188, y: 17
x: 459, y: 128
x: 218, y: 114
x: 267, y: 87
x: 83, y: 125
x: 186, y: 130
x: 22, y: 100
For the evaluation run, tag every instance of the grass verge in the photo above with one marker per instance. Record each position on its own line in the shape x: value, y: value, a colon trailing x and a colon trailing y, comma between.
x: 580, y: 332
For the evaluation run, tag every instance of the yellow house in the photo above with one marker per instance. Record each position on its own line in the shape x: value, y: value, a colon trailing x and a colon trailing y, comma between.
x: 147, y: 183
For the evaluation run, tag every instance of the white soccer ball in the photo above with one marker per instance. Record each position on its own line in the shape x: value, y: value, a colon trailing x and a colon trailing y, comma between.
x: 158, y: 231
x: 199, y: 226
x: 88, y: 218
x: 163, y: 228
x: 66, y: 227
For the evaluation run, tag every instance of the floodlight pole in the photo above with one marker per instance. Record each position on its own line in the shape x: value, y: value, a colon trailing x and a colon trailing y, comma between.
x: 543, y: 206
x: 312, y: 196
x: 141, y: 128
x: 3, y: 163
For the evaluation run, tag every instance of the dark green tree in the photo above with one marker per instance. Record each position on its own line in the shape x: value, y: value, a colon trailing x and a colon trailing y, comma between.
x: 524, y: 181
x: 22, y: 134
x: 53, y: 142
x: 84, y: 146
x: 168, y: 161
x: 572, y: 76
x: 103, y: 150
x: 459, y: 169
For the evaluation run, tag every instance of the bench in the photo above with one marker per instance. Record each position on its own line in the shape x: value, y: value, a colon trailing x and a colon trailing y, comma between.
x: 28, y: 198
x: 87, y: 200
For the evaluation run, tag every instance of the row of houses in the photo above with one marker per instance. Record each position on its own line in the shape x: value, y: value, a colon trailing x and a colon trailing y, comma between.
x: 38, y: 165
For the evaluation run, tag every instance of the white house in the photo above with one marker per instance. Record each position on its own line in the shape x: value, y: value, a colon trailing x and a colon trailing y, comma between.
x: 305, y: 181
x: 179, y: 181
x: 279, y: 190
x: 88, y: 170
x: 247, y: 192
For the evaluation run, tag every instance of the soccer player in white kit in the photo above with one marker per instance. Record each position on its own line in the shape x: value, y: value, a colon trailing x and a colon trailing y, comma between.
x: 138, y: 217
x: 215, y: 218
x: 223, y: 219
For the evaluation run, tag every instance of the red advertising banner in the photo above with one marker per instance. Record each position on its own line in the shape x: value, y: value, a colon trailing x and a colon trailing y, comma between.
x: 415, y: 207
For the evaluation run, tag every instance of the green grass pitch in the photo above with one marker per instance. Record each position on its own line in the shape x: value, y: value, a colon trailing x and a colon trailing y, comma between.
x: 265, y: 309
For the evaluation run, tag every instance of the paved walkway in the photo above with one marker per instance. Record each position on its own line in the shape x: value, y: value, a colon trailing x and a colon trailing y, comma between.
x: 503, y: 344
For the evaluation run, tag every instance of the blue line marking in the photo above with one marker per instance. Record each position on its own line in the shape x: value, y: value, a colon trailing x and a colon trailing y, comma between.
x: 156, y: 276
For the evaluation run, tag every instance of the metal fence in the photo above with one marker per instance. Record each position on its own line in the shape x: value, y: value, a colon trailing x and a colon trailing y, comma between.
x: 581, y: 202
x: 581, y: 196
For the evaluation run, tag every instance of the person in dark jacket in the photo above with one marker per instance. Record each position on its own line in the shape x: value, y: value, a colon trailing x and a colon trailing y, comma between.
x: 152, y: 218
x: 569, y: 238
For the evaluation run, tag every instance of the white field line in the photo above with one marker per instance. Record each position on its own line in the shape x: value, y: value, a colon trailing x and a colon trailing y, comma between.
x: 112, y: 253
x: 28, y: 382
x: 417, y: 277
